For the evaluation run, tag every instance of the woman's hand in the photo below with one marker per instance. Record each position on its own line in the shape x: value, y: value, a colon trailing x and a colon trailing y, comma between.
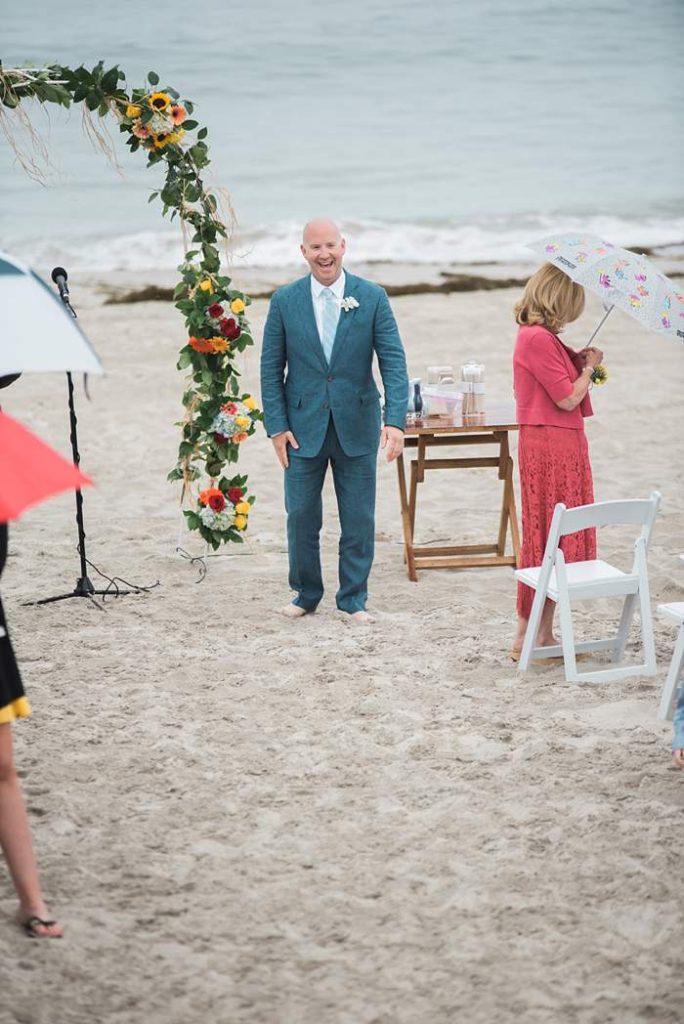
x: 591, y: 356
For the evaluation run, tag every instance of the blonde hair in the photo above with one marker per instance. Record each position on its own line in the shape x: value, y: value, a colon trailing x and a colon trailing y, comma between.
x: 550, y: 298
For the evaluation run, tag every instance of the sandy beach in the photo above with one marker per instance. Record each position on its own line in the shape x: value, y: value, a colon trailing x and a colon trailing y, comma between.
x: 244, y: 820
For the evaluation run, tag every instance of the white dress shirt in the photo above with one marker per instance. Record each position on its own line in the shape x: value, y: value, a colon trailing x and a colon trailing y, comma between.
x: 337, y: 288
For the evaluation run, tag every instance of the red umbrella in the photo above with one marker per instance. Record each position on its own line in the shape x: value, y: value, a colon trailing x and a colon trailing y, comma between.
x: 30, y: 471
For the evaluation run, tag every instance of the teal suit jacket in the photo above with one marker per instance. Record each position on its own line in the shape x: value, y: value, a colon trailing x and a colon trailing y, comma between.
x: 300, y: 391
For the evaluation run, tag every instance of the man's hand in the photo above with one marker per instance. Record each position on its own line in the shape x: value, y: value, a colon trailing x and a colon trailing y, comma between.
x: 393, y: 441
x: 280, y: 443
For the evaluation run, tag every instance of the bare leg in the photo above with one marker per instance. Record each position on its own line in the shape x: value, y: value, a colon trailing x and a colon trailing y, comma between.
x: 545, y: 637
x: 15, y: 840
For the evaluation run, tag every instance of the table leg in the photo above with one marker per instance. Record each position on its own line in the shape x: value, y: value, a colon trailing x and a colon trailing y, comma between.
x: 406, y: 520
x: 417, y: 477
x: 508, y: 511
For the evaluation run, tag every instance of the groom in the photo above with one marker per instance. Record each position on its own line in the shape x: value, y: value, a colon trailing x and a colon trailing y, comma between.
x: 321, y: 406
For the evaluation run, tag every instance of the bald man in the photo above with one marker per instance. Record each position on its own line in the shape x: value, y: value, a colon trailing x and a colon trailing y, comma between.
x: 322, y: 408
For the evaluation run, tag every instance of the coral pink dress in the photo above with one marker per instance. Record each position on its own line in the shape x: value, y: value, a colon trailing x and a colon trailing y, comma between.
x: 553, y: 456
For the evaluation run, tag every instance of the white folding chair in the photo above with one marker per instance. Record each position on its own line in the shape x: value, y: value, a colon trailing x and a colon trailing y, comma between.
x: 575, y: 581
x: 675, y: 613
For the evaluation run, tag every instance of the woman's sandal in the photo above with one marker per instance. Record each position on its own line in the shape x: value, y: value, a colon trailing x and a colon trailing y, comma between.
x: 32, y: 924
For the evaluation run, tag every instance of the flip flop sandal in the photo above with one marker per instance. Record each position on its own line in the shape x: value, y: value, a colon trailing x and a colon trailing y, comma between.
x: 32, y: 925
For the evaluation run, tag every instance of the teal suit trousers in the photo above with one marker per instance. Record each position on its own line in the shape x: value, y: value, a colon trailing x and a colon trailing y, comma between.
x: 354, y: 480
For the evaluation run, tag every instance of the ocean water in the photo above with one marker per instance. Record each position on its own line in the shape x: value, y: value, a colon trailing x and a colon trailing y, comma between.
x: 441, y: 131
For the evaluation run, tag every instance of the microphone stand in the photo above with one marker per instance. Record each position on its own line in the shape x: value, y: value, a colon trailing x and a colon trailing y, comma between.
x: 84, y: 586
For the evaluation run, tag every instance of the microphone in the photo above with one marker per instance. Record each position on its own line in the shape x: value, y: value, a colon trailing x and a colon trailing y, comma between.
x: 59, y: 276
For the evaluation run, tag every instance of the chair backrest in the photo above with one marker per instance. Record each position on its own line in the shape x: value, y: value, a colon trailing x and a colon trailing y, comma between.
x: 634, y: 512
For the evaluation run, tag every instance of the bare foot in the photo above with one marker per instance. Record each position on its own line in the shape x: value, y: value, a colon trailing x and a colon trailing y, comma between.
x: 516, y: 649
x: 678, y: 757
x: 362, y: 616
x: 39, y: 926
x: 293, y: 611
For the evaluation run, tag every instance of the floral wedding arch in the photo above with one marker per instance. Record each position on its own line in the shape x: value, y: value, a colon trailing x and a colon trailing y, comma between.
x: 219, y: 417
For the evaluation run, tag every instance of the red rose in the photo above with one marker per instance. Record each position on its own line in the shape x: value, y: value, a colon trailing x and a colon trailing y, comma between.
x: 215, y: 310
x: 230, y: 408
x: 235, y: 494
x: 229, y: 328
x: 217, y: 502
x: 220, y: 439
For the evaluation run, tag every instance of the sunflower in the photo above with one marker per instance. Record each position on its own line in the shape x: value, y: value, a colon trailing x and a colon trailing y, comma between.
x: 159, y: 100
x: 167, y: 139
x: 132, y: 110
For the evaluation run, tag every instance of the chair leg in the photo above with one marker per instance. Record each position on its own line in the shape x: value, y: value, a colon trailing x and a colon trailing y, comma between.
x: 567, y: 636
x: 667, y: 701
x: 532, y: 629
x: 648, y: 642
x: 623, y: 628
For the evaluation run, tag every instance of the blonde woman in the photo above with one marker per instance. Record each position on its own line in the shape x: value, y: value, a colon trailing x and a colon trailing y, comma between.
x: 551, y: 383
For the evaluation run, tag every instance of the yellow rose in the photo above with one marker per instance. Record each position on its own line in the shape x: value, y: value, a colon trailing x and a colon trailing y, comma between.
x: 206, y: 285
x: 133, y: 111
x: 237, y: 306
x: 250, y: 403
x: 242, y: 421
x: 240, y: 522
x: 243, y: 509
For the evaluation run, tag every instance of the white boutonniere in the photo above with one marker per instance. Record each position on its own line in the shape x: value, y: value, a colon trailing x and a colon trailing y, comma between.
x: 349, y: 303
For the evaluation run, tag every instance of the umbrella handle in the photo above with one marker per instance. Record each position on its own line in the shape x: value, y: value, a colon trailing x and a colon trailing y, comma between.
x: 600, y: 324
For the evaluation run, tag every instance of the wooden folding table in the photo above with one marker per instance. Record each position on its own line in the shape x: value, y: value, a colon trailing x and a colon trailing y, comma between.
x: 488, y: 428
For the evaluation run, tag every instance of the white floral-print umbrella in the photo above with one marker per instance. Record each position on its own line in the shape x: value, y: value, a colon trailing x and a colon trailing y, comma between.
x: 620, y: 277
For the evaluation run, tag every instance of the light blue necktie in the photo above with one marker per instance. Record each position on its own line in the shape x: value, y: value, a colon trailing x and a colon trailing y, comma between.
x: 331, y: 314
